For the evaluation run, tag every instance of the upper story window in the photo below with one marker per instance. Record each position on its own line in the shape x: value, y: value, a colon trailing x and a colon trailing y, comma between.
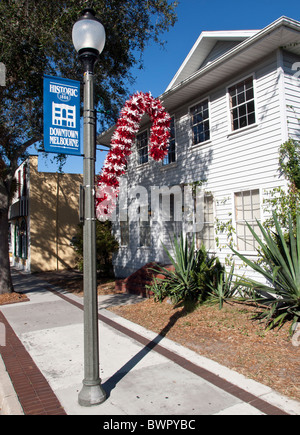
x: 142, y: 147
x: 242, y: 106
x: 200, y: 122
x: 171, y: 157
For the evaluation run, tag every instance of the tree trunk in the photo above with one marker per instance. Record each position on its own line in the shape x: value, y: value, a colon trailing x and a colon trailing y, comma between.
x: 6, y: 285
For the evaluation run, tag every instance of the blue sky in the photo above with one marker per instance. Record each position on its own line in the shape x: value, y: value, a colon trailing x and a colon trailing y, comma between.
x: 194, y: 16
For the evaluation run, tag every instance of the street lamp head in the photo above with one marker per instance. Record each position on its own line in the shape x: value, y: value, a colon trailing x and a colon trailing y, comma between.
x: 88, y: 35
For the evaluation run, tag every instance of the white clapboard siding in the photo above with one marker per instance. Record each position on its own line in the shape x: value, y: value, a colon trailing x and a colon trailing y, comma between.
x: 230, y: 162
x: 292, y: 92
x: 218, y: 50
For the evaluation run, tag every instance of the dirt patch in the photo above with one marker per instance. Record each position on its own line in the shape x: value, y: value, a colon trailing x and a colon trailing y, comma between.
x: 12, y: 298
x: 229, y: 336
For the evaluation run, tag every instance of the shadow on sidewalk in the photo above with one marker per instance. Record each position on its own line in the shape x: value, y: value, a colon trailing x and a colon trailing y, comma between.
x: 111, y: 383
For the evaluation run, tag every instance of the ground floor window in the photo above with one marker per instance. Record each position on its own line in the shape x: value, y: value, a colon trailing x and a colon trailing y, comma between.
x: 247, y: 210
x: 207, y: 234
x: 21, y: 239
x: 145, y: 234
x: 124, y: 232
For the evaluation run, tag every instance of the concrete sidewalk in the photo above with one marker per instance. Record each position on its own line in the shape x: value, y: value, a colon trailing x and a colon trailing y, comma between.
x: 143, y: 374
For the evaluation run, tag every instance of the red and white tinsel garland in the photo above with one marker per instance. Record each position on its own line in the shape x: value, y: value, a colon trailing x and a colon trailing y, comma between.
x: 127, y: 128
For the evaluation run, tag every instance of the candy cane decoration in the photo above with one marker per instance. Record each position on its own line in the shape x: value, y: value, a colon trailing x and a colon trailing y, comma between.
x: 127, y: 128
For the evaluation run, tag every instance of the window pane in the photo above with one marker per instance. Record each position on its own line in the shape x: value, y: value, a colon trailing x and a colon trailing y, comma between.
x: 171, y: 157
x: 242, y: 104
x: 250, y: 107
x: 142, y: 147
x: 207, y: 235
x: 124, y: 229
x: 242, y: 111
x: 249, y: 83
x: 255, y: 204
x: 251, y: 119
x: 241, y: 98
x: 200, y: 122
x: 236, y: 124
x: 247, y: 210
x: 249, y: 94
x: 240, y: 88
x: 240, y: 236
x: 145, y: 234
x: 232, y: 91
x: 243, y: 122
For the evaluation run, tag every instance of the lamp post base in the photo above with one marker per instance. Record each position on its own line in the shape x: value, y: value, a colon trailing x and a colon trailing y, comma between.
x: 91, y: 395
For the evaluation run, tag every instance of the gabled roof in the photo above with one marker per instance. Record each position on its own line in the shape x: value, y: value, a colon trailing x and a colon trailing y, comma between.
x: 196, y: 77
x: 282, y: 33
x: 203, y: 47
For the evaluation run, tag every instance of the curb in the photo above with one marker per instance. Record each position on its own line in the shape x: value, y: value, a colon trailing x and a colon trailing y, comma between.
x: 9, y: 402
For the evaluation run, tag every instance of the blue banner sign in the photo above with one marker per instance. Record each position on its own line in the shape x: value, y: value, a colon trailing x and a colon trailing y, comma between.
x: 62, y: 116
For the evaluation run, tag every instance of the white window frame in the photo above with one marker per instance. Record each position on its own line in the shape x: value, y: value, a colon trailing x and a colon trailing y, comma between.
x: 139, y: 163
x: 144, y: 225
x: 209, y: 120
x: 208, y: 224
x: 167, y: 163
x: 124, y: 226
x: 249, y: 189
x: 231, y: 131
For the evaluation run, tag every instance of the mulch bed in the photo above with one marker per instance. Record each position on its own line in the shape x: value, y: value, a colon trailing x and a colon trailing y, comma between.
x: 12, y: 298
x: 230, y: 337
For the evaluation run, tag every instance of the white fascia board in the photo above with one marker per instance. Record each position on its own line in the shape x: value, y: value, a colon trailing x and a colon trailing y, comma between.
x: 257, y: 37
x: 202, y: 47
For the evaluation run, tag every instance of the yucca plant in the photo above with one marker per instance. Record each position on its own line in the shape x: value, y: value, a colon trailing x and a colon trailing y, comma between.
x: 177, y: 284
x: 192, y: 271
x: 281, y: 270
x: 228, y: 287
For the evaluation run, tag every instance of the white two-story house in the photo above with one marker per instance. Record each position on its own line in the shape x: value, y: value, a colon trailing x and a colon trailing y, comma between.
x: 233, y: 102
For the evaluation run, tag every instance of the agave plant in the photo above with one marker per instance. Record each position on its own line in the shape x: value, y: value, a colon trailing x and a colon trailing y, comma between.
x: 281, y: 270
x: 192, y: 272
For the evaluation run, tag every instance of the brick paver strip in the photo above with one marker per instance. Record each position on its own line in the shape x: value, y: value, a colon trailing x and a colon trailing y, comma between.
x: 34, y: 393
x: 214, y: 379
